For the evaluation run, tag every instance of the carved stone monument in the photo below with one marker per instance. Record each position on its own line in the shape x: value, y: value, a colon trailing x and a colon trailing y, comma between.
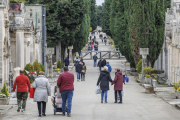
x: 70, y: 55
x: 49, y: 52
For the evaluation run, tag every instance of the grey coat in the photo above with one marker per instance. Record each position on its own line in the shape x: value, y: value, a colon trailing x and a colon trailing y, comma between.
x: 42, y: 89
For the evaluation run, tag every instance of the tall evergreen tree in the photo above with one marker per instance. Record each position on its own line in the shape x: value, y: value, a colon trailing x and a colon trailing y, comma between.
x: 93, y: 15
x: 106, y: 17
x: 99, y: 15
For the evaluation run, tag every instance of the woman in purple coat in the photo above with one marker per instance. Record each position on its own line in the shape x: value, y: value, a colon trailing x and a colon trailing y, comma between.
x: 118, y: 84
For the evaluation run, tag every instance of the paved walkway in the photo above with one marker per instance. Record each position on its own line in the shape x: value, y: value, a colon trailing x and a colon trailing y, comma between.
x: 86, y: 105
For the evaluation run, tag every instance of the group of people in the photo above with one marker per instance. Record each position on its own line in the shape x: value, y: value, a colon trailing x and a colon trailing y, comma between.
x: 118, y: 81
x: 80, y: 68
x: 43, y: 90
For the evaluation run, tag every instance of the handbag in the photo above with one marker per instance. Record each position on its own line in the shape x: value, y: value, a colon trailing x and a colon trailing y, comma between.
x: 32, y: 90
x: 127, y: 79
x: 122, y: 93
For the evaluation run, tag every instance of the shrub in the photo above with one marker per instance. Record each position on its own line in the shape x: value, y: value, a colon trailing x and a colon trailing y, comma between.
x: 37, y: 67
x: 177, y: 86
x: 132, y: 64
x: 42, y: 67
x: 148, y: 70
x: 148, y: 76
x: 90, y: 29
x: 59, y: 65
x: 29, y: 68
x: 139, y: 66
x: 5, y: 91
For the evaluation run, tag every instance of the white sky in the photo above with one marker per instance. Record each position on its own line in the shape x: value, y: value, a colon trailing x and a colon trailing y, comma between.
x: 99, y: 2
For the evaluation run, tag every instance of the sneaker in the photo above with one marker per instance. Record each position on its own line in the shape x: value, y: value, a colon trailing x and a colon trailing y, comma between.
x: 106, y: 102
x: 43, y: 114
x: 19, y: 108
x: 69, y: 115
x: 101, y: 101
x: 115, y: 102
x: 22, y: 110
x: 63, y: 114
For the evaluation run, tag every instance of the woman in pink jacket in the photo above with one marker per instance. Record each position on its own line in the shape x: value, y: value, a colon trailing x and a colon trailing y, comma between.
x: 118, y: 84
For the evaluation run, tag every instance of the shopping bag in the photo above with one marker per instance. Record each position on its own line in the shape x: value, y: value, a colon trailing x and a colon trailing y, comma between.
x: 122, y: 93
x: 13, y: 95
x: 97, y: 68
x: 58, y: 100
x: 127, y: 79
x: 98, y: 91
x: 32, y: 90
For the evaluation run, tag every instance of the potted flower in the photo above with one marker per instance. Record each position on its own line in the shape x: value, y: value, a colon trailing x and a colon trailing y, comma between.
x: 139, y: 69
x: 59, y: 70
x: 177, y: 89
x: 148, y: 71
x: 4, y: 96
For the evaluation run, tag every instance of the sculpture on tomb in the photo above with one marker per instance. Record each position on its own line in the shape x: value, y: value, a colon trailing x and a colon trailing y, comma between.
x: 49, y: 52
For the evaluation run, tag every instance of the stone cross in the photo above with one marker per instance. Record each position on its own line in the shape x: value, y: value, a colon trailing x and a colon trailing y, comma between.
x: 70, y: 55
x: 49, y: 52
x: 144, y: 52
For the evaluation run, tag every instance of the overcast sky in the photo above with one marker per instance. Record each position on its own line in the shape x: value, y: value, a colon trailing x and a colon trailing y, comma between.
x: 99, y: 2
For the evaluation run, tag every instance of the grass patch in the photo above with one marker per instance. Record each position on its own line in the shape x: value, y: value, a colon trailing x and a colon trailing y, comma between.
x: 131, y: 74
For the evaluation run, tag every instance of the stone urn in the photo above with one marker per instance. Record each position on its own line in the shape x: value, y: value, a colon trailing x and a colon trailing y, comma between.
x: 4, y: 101
x: 148, y: 80
x: 177, y: 94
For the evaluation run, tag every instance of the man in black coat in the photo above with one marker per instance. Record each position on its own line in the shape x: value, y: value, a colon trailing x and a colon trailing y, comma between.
x: 100, y: 64
x: 78, y: 71
x: 104, y: 80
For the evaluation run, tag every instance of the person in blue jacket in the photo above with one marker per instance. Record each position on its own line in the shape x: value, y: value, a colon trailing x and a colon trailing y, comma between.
x: 109, y: 67
x: 66, y: 61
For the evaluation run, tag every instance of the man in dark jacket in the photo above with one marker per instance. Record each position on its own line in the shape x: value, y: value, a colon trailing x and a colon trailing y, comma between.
x: 103, y: 62
x: 65, y: 83
x: 95, y: 59
x: 103, y: 80
x: 100, y: 64
x: 90, y: 37
x: 78, y: 71
x: 66, y: 61
x: 22, y: 82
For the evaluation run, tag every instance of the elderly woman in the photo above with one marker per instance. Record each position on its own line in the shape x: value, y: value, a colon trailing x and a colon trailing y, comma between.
x: 42, y: 91
x: 103, y: 80
x: 118, y: 84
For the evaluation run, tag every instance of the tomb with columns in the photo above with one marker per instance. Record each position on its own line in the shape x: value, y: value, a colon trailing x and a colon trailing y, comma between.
x: 172, y: 34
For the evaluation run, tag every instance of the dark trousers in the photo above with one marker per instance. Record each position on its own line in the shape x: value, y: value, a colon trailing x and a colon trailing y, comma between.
x: 120, y: 95
x: 43, y: 107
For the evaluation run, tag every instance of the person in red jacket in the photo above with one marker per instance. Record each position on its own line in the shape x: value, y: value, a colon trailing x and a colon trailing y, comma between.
x: 118, y: 87
x: 22, y: 82
x: 65, y: 83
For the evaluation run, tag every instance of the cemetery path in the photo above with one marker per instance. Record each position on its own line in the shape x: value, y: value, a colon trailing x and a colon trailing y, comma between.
x: 86, y: 105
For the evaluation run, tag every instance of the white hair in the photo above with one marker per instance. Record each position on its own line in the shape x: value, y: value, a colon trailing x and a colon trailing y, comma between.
x: 105, y: 68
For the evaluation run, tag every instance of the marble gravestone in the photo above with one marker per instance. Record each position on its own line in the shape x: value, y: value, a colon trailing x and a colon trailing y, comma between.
x: 70, y: 55
x: 49, y: 52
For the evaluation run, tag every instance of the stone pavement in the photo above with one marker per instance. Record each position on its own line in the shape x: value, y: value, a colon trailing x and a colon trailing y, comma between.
x: 86, y: 105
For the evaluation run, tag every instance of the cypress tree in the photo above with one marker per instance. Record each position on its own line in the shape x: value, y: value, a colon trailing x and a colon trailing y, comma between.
x: 99, y: 15
x: 93, y: 15
x: 106, y: 17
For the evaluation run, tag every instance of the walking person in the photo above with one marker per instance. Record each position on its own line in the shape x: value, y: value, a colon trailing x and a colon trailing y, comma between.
x: 42, y: 91
x: 123, y: 70
x: 83, y: 72
x: 79, y: 53
x: 96, y: 48
x: 104, y: 80
x: 22, y: 82
x: 99, y: 31
x: 66, y: 84
x: 95, y: 38
x: 100, y: 64
x: 103, y: 62
x: 118, y: 84
x: 105, y: 40
x: 81, y: 59
x: 90, y: 37
x: 78, y: 71
x: 95, y: 59
x: 109, y: 67
x: 66, y: 61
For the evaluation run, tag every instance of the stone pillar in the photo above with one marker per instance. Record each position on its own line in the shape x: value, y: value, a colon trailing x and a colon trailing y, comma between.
x: 2, y: 31
x: 58, y: 52
x: 65, y: 54
x: 31, y: 50
x: 20, y: 49
x: 16, y: 72
x: 25, y: 53
x: 28, y: 53
x: 70, y: 55
x: 144, y: 52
